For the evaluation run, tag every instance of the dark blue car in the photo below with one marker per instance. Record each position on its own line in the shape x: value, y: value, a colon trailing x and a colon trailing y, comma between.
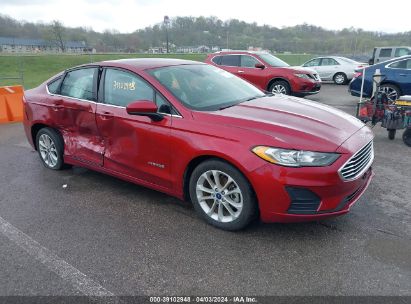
x: 397, y: 80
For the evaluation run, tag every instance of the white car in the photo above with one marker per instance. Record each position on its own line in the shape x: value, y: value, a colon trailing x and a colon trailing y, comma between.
x: 338, y: 69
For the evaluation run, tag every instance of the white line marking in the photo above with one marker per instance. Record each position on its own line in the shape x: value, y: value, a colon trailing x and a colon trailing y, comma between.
x: 63, y: 269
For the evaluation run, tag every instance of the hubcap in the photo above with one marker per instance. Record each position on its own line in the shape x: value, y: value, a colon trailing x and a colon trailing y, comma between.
x: 219, y: 196
x: 279, y: 89
x: 392, y: 94
x: 48, y: 150
x: 339, y: 79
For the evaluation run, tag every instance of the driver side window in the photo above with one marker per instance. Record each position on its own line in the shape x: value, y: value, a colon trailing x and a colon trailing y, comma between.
x: 121, y: 88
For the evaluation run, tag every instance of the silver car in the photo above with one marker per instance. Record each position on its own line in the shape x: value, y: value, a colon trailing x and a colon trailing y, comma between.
x: 338, y: 69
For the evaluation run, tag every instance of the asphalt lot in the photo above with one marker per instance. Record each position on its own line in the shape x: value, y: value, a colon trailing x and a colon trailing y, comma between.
x: 128, y: 240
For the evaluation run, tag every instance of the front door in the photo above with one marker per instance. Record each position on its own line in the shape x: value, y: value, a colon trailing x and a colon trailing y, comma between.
x: 134, y: 145
x: 74, y: 108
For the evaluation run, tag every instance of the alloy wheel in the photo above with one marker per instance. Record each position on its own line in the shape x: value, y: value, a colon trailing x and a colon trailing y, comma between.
x: 219, y: 196
x: 48, y: 150
x: 339, y: 79
x: 279, y: 89
x: 392, y: 93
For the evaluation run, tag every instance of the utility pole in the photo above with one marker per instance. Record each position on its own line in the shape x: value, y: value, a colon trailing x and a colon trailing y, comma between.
x: 166, y: 23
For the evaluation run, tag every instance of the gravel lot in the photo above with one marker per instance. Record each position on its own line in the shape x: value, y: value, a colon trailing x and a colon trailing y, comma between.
x: 128, y: 240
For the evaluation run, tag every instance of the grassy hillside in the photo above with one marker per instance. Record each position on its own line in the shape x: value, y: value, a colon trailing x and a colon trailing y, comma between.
x: 38, y: 68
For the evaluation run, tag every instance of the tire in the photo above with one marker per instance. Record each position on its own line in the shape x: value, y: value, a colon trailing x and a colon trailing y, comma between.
x: 392, y: 91
x: 213, y: 205
x: 50, y: 147
x: 391, y: 133
x: 406, y: 137
x: 280, y: 87
x: 340, y: 78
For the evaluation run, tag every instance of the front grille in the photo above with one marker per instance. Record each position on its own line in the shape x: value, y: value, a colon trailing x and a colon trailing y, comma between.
x: 358, y: 163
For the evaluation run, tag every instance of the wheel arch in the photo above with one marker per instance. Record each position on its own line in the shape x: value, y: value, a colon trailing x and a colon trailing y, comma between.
x: 202, y: 158
x: 35, y: 128
x: 276, y: 79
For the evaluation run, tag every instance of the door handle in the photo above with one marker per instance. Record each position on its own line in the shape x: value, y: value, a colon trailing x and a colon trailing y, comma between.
x: 403, y: 75
x: 240, y: 71
x: 106, y: 115
x: 57, y: 104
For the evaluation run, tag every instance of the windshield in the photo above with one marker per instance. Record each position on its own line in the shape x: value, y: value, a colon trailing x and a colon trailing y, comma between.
x: 205, y: 87
x: 272, y: 60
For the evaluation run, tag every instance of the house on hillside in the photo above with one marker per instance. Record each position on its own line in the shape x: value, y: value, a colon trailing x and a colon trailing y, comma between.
x: 22, y: 45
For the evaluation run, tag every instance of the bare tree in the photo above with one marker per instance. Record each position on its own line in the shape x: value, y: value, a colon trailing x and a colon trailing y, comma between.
x: 58, y: 31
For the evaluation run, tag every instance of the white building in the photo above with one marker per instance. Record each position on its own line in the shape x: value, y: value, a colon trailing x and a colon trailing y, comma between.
x: 21, y: 45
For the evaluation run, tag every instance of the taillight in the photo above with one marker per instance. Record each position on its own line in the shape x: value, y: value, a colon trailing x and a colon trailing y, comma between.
x: 358, y: 74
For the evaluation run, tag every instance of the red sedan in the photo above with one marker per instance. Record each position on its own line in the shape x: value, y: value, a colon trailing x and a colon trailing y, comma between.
x: 268, y: 72
x: 199, y: 133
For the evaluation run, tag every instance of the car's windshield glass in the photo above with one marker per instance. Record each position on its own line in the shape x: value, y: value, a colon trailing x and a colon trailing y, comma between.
x: 205, y: 87
x: 272, y: 60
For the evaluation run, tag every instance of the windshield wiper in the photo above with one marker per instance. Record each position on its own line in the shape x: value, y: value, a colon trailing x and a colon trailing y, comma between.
x: 229, y: 106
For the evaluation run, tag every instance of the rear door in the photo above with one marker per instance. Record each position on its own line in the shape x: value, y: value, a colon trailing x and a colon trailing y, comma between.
x: 134, y: 145
x: 74, y: 107
x: 230, y: 63
x: 328, y: 67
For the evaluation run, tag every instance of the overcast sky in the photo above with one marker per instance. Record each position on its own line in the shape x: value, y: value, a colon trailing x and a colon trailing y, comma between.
x: 129, y: 15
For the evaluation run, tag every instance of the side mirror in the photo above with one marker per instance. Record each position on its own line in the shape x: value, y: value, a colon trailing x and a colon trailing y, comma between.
x: 260, y: 66
x: 144, y: 108
x: 371, y: 61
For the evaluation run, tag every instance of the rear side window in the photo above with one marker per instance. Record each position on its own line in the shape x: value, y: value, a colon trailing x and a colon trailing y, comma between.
x: 329, y: 61
x: 79, y: 84
x: 231, y: 60
x: 385, y: 52
x: 54, y: 85
x: 217, y: 60
x: 402, y: 52
x: 121, y: 88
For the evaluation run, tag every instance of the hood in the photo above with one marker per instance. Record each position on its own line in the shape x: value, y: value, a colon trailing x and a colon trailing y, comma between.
x: 287, y: 122
x: 304, y: 69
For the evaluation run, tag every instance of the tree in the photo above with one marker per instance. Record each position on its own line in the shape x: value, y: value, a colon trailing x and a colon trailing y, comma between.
x: 58, y: 33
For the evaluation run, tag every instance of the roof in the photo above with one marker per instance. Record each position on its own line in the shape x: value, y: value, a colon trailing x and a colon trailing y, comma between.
x: 147, y: 63
x: 38, y: 42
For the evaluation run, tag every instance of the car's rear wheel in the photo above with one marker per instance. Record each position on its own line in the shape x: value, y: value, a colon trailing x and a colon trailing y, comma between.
x: 340, y: 78
x: 280, y: 87
x: 406, y: 137
x: 222, y: 195
x: 392, y: 91
x: 50, y: 148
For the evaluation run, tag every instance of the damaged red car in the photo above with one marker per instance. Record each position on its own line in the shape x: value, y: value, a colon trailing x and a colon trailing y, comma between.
x: 204, y: 135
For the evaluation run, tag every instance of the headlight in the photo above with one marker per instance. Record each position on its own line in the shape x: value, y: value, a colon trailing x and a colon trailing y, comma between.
x: 295, y: 158
x: 305, y: 76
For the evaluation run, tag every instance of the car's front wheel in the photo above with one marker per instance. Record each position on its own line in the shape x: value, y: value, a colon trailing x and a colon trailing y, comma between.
x: 222, y: 195
x: 280, y: 87
x: 50, y: 148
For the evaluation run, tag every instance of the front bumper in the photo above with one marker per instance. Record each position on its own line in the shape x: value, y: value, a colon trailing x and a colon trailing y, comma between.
x: 287, y: 194
x: 308, y: 88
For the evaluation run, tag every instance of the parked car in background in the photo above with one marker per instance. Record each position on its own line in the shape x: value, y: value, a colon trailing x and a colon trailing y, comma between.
x: 204, y: 135
x: 385, y: 53
x: 338, y: 69
x: 268, y: 72
x: 396, y: 79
